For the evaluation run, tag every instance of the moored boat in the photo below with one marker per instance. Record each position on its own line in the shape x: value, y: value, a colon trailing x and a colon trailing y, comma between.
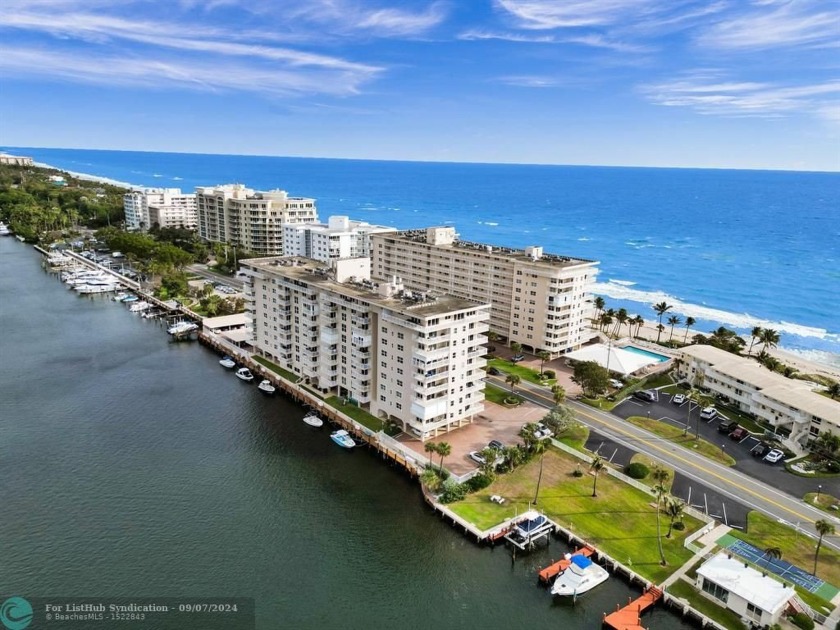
x: 343, y: 439
x: 313, y: 420
x: 580, y: 576
x: 182, y: 328
x: 227, y: 362
x: 266, y: 387
x: 244, y: 374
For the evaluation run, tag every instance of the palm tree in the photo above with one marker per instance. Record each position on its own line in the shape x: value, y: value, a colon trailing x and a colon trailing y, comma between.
x: 430, y: 447
x: 490, y: 455
x: 773, y: 553
x: 596, y: 466
x: 673, y: 320
x: 516, y: 347
x: 660, y: 476
x: 769, y: 337
x: 538, y: 448
x: 824, y: 528
x: 513, y: 456
x: 599, y: 304
x: 430, y: 479
x: 621, y: 317
x: 639, y: 323
x: 544, y: 355
x: 513, y: 380
x: 660, y: 309
x: 674, y: 510
x: 604, y: 320
x: 661, y: 329
x: 559, y: 394
x: 689, y: 322
x: 834, y: 390
x: 444, y: 449
x: 755, y: 333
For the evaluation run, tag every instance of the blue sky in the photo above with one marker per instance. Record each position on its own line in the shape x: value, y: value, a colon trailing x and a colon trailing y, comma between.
x: 713, y: 83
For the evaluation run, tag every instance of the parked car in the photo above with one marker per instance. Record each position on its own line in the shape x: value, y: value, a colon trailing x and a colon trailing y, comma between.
x: 645, y: 394
x: 774, y: 456
x: 678, y: 399
x: 708, y: 413
x: 614, y: 382
x: 542, y: 432
x: 739, y: 433
x: 476, y: 457
x: 494, y: 371
x: 727, y: 427
x: 496, y: 444
x: 760, y: 450
x: 517, y: 357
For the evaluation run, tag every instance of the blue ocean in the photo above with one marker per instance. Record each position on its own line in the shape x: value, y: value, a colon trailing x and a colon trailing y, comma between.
x: 727, y: 247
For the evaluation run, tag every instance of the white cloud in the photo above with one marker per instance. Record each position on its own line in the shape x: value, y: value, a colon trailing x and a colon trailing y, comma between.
x: 349, y: 16
x: 529, y: 81
x: 773, y: 24
x: 551, y: 14
x: 709, y: 94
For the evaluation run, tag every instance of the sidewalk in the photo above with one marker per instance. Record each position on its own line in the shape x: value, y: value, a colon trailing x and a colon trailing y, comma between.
x: 709, y: 542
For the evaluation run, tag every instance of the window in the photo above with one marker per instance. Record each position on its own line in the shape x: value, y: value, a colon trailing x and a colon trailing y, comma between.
x: 753, y: 612
x: 718, y: 592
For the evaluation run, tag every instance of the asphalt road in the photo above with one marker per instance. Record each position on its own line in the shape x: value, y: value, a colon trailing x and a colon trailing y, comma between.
x: 204, y: 272
x: 731, y: 484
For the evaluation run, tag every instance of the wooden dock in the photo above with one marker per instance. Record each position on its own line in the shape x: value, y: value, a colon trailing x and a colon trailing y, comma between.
x: 630, y: 617
x: 552, y: 570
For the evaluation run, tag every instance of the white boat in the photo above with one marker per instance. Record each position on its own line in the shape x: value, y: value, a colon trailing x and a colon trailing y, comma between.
x: 227, y: 362
x: 342, y: 438
x: 244, y: 374
x: 139, y: 307
x: 130, y: 298
x: 88, y: 289
x: 266, y: 387
x: 4, y: 231
x: 313, y: 420
x: 580, y: 576
x: 182, y: 328
x: 119, y: 297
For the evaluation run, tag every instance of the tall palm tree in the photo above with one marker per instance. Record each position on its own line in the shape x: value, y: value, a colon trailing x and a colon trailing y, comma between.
x: 689, y: 322
x: 755, y: 333
x: 596, y: 466
x: 621, y: 318
x: 516, y: 347
x: 639, y: 323
x: 661, y: 329
x: 660, y: 309
x: 824, y: 528
x: 430, y: 447
x: 444, y: 449
x: 673, y: 320
x: 559, y: 394
x: 674, y: 510
x: 834, y: 390
x: 544, y: 355
x: 772, y: 553
x: 538, y: 448
x: 604, y: 321
x: 513, y: 456
x: 660, y: 477
x: 599, y: 304
x: 513, y: 380
x: 770, y: 338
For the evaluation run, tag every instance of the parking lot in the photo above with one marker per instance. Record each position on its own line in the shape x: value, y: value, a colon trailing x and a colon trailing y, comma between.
x: 741, y: 450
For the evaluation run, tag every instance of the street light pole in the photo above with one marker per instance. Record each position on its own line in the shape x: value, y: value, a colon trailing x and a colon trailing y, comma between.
x: 819, y: 491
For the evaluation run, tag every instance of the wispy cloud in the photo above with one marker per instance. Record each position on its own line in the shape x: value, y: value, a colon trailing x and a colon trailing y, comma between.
x: 509, y: 36
x: 777, y: 24
x: 350, y: 16
x: 530, y: 81
x: 710, y: 93
x: 593, y: 40
x: 552, y: 14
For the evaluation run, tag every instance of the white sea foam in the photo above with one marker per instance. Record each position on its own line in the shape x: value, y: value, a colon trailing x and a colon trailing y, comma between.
x: 582, y: 239
x: 625, y: 283
x: 177, y: 179
x: 491, y: 223
x: 743, y: 321
x: 817, y: 356
x: 156, y: 175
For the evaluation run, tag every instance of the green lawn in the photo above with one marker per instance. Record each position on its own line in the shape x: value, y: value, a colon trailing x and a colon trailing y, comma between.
x: 575, y: 436
x: 723, y: 616
x: 357, y: 413
x: 495, y: 394
x: 675, y: 435
x: 796, y: 547
x: 621, y: 520
x: 289, y: 376
x: 825, y: 502
x: 651, y: 464
x: 524, y: 372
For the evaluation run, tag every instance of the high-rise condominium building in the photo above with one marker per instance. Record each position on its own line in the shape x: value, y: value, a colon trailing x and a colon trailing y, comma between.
x: 408, y: 356
x: 174, y: 208
x: 539, y: 300
x: 338, y: 238
x: 250, y: 219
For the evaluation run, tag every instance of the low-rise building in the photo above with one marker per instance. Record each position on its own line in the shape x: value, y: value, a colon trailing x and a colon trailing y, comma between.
x: 788, y: 405
x: 15, y: 160
x: 411, y: 357
x: 173, y: 208
x: 755, y: 596
x: 338, y: 238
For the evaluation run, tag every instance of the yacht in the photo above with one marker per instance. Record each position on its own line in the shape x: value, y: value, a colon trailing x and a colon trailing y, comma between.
x: 227, y: 362
x: 88, y: 289
x: 244, y: 374
x: 343, y: 439
x: 580, y: 576
x: 139, y: 307
x: 266, y: 387
x: 312, y: 419
x: 182, y: 328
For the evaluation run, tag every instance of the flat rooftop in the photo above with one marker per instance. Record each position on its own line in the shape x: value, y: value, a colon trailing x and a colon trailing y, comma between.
x: 420, y: 304
x: 496, y: 251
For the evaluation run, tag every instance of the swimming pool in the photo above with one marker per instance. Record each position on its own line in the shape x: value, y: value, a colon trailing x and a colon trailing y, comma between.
x: 659, y: 358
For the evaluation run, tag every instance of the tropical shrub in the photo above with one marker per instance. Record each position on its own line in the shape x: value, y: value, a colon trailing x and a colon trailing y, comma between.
x: 550, y: 374
x: 452, y: 491
x: 637, y: 470
x: 478, y: 482
x: 801, y: 620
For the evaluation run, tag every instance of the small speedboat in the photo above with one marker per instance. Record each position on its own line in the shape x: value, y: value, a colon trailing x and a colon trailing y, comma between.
x: 580, y: 576
x: 182, y: 328
x: 227, y: 362
x: 313, y: 420
x: 342, y: 438
x: 266, y: 387
x: 244, y: 374
x: 129, y: 298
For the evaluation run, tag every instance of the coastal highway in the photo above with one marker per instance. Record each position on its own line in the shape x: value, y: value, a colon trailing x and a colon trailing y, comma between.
x: 748, y: 491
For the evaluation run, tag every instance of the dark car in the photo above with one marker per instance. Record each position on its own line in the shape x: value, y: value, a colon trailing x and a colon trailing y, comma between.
x: 761, y: 450
x: 727, y: 427
x: 645, y: 394
x: 517, y: 357
x: 496, y: 444
x: 739, y: 433
x: 494, y: 371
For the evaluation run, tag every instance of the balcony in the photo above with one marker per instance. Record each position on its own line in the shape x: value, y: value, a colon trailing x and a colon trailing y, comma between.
x: 428, y: 409
x: 430, y: 356
x: 329, y: 335
x: 360, y: 340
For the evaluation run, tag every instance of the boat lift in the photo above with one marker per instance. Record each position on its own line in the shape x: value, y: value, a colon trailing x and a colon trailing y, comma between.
x: 530, y: 528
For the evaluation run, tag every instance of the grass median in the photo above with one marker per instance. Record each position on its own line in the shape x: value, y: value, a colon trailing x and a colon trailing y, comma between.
x: 686, y: 440
x: 525, y: 373
x: 621, y: 520
x: 357, y: 413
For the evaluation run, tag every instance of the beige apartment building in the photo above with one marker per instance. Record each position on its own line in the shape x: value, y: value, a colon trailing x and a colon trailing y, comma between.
x: 539, y: 300
x: 408, y: 356
x: 789, y: 405
x: 250, y: 219
x: 173, y: 208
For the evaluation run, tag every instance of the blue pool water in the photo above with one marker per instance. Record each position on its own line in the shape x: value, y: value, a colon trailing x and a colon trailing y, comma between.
x: 659, y: 358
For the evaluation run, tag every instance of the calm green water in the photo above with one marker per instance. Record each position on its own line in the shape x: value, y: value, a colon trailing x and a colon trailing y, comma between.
x: 132, y: 466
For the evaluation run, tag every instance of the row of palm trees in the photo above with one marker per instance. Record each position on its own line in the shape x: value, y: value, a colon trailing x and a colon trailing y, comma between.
x: 444, y: 449
x: 768, y: 337
x: 610, y: 321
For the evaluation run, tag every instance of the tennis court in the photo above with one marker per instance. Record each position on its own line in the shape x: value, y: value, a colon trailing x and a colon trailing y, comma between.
x: 781, y: 568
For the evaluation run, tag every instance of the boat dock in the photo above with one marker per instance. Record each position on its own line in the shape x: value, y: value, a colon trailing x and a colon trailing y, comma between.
x: 630, y: 616
x: 555, y: 569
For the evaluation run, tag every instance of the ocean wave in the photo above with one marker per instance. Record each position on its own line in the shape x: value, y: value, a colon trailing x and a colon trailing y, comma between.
x: 743, y: 321
x: 177, y: 179
x: 582, y: 239
x: 625, y: 283
x: 822, y: 357
x: 156, y: 175
x: 491, y: 223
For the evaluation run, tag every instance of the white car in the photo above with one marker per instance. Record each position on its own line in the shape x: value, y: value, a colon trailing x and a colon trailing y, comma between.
x: 542, y: 432
x: 678, y: 399
x: 708, y: 413
x: 616, y: 383
x: 774, y: 456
